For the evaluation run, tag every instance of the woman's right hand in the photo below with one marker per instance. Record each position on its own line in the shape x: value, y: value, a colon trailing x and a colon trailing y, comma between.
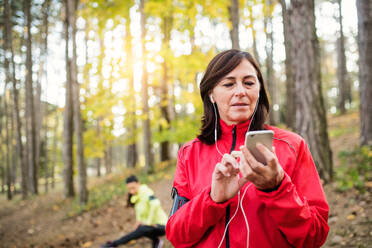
x: 225, y: 179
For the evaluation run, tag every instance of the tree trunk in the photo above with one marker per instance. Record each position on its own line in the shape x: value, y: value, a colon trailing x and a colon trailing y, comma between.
x: 342, y: 76
x: 364, y: 9
x: 9, y: 47
x: 290, y: 106
x: 38, y: 114
x: 7, y: 138
x: 68, y: 115
x: 164, y: 100
x: 15, y: 152
x: 108, y: 158
x: 132, y: 154
x: 254, y: 36
x: 149, y: 163
x: 46, y: 6
x: 2, y: 179
x: 269, y: 47
x: 234, y: 20
x: 78, y: 123
x: 30, y: 111
x: 55, y: 139
x: 311, y: 122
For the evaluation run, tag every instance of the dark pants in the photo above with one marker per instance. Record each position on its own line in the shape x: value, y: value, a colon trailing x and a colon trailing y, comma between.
x: 151, y: 232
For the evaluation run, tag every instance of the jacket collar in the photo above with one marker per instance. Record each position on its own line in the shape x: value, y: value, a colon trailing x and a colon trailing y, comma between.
x: 241, y: 128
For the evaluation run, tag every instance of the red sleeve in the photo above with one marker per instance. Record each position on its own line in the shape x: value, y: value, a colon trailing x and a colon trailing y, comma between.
x: 299, y: 207
x: 188, y: 225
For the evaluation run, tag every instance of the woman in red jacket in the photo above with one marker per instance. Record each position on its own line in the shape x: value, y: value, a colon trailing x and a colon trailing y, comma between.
x: 224, y: 201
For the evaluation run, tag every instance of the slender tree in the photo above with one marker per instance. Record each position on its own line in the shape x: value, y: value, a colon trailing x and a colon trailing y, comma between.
x: 97, y: 159
x: 54, y: 161
x: 145, y: 96
x: 18, y: 124
x: 290, y: 106
x: 7, y: 146
x: 30, y: 110
x: 311, y: 122
x: 45, y: 8
x: 364, y: 10
x: 167, y: 24
x: 68, y: 114
x: 234, y: 20
x: 344, y: 95
x: 78, y: 124
x: 251, y: 25
x: 132, y: 153
x: 269, y: 47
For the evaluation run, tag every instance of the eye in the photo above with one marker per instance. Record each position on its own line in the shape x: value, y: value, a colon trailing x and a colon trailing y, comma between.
x: 249, y: 83
x: 228, y: 84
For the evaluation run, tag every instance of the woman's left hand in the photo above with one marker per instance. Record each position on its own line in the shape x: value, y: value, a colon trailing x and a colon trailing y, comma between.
x: 264, y: 177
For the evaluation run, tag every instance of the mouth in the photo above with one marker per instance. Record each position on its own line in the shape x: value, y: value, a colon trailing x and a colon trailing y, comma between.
x: 239, y: 104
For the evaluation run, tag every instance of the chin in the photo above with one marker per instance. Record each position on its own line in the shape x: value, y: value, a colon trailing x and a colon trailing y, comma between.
x: 240, y: 120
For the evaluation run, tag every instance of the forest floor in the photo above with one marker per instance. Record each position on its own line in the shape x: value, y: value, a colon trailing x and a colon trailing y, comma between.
x: 44, y: 221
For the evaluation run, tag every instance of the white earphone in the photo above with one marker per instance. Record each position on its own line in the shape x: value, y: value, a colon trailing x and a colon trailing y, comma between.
x: 211, y: 98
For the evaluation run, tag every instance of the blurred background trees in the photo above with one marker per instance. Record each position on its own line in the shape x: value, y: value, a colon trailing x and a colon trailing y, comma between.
x: 94, y: 87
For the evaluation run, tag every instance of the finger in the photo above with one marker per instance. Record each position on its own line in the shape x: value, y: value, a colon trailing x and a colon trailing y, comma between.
x: 252, y: 162
x: 236, y: 154
x: 269, y: 155
x: 222, y: 169
x: 229, y: 159
x: 244, y: 167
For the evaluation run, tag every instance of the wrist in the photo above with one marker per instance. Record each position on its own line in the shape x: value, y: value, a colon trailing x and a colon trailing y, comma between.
x: 279, y: 180
x: 215, y: 198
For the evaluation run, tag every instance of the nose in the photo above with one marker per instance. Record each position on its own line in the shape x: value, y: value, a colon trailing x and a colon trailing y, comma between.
x: 240, y: 90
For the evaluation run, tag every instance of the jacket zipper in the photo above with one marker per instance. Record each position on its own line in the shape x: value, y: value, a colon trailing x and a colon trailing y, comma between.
x: 228, y: 207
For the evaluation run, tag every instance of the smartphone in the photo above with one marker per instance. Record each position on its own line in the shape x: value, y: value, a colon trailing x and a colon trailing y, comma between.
x: 264, y: 137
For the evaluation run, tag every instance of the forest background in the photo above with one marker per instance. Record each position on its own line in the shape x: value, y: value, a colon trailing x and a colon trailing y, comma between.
x: 92, y: 89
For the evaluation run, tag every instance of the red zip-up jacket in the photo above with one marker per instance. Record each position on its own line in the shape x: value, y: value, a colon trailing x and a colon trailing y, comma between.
x: 294, y: 215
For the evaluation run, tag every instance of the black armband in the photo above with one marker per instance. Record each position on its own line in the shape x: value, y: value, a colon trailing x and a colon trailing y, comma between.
x: 178, y: 201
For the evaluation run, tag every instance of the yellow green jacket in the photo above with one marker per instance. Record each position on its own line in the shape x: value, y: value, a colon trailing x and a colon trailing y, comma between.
x: 148, y: 208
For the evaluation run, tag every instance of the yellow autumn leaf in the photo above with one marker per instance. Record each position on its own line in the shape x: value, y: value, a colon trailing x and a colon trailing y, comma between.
x: 368, y: 184
x: 350, y: 217
x: 87, y: 244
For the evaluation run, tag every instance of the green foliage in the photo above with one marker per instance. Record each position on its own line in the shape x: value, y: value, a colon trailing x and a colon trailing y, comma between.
x: 114, y: 187
x: 355, y: 169
x: 340, y: 131
x: 100, y: 195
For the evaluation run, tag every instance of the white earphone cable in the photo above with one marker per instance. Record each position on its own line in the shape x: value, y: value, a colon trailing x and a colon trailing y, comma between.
x: 215, y: 130
x: 228, y: 223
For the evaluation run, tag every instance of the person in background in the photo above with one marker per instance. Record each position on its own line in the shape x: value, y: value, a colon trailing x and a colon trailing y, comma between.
x: 150, y: 216
x: 224, y: 197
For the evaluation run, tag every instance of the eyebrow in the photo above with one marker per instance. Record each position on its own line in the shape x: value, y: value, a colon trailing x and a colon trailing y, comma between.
x: 245, y: 77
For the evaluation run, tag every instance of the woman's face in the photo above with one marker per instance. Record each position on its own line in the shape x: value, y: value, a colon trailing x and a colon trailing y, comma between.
x: 236, y: 94
x: 133, y: 188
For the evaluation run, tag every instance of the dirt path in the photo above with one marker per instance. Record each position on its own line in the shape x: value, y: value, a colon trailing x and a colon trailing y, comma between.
x: 41, y: 224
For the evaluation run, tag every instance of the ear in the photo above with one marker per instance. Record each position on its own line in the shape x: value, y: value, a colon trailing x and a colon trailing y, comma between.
x: 211, y: 98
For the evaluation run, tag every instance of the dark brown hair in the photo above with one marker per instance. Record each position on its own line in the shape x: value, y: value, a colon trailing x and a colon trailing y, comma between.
x: 220, y: 66
x: 129, y: 203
